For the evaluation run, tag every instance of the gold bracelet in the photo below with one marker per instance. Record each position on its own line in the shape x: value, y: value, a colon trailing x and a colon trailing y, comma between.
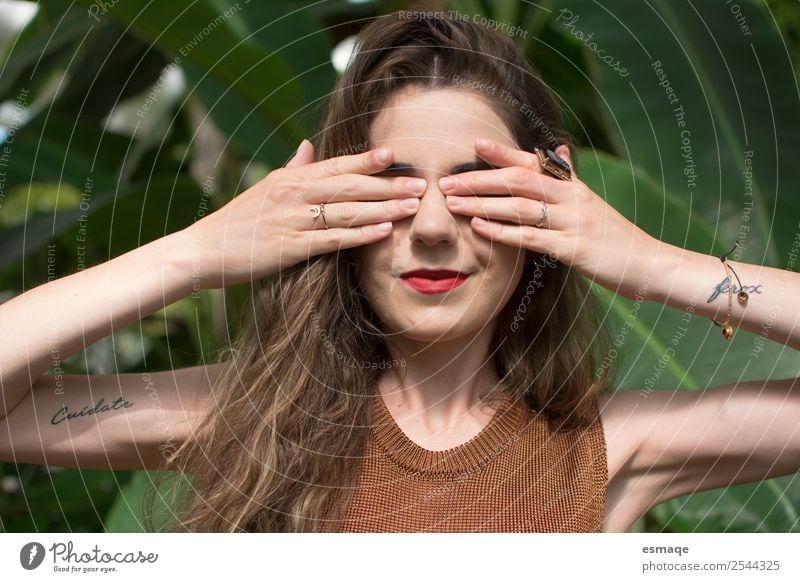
x: 741, y: 296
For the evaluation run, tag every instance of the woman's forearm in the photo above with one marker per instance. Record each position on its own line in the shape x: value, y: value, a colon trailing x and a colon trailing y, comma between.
x: 688, y: 280
x: 49, y: 323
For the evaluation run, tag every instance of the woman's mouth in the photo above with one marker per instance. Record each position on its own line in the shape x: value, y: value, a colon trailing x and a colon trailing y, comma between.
x: 433, y: 281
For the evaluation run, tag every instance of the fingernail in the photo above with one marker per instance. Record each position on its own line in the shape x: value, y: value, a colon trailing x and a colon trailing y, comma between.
x: 416, y: 184
x: 447, y: 183
x: 383, y: 227
x: 483, y: 144
x: 409, y: 203
x: 382, y: 155
x: 455, y: 200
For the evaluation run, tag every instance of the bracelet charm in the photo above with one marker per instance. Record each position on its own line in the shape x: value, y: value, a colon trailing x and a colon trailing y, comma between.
x: 741, y: 296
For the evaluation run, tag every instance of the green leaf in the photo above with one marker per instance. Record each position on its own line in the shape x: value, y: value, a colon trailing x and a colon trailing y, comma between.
x: 64, y: 500
x: 43, y: 37
x: 81, y: 144
x: 108, y: 66
x: 305, y: 46
x: 116, y: 221
x: 39, y: 159
x: 150, y: 211
x: 732, y: 92
x: 128, y: 511
x: 201, y: 38
x: 126, y: 514
x: 767, y: 506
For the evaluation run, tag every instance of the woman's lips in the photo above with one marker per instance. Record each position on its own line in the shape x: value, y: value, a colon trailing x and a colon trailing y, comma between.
x: 432, y: 283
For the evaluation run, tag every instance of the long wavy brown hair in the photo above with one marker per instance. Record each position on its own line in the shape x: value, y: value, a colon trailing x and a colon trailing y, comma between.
x: 287, y: 421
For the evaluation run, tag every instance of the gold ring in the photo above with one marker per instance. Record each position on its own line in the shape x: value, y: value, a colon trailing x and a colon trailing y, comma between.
x: 553, y: 163
x: 544, y: 214
x: 318, y: 211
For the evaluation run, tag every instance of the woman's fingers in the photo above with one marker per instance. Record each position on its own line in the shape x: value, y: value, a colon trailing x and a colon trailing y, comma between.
x: 501, y: 155
x: 281, y: 216
x: 350, y: 214
x: 369, y: 162
x: 352, y: 199
x: 504, y: 181
x: 304, y: 155
x: 333, y: 239
x: 351, y: 187
x: 540, y: 240
x: 519, y: 210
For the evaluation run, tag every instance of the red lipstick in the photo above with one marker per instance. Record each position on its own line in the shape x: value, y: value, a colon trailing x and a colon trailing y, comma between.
x: 433, y: 281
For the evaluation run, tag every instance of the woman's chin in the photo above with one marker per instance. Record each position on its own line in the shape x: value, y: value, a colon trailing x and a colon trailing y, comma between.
x: 430, y: 332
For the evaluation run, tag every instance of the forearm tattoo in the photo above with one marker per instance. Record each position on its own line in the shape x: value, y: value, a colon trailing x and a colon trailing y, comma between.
x: 64, y: 412
x: 722, y: 287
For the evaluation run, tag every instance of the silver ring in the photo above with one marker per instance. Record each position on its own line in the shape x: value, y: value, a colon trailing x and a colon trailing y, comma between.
x: 318, y: 211
x: 544, y: 214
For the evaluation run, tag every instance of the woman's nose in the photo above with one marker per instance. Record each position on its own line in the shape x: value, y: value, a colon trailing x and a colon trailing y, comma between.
x: 433, y: 223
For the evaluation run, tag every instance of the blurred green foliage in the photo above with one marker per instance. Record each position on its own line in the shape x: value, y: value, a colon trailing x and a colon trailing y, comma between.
x: 127, y: 120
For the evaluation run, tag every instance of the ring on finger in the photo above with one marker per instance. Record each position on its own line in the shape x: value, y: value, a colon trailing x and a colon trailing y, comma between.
x: 318, y: 211
x: 544, y: 214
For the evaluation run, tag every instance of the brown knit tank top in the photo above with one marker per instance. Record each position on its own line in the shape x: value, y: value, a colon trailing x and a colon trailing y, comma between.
x: 519, y: 474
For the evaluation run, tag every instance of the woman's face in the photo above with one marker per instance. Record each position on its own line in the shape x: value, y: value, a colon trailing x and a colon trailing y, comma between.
x: 432, y: 133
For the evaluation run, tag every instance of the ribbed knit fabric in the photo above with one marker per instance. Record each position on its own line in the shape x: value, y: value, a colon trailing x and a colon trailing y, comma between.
x: 519, y: 474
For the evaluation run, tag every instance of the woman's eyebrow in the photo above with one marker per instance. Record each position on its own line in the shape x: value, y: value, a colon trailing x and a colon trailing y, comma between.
x: 471, y: 167
x: 405, y: 168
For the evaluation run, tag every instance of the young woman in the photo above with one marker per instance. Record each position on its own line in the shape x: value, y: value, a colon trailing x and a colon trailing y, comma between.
x: 407, y: 366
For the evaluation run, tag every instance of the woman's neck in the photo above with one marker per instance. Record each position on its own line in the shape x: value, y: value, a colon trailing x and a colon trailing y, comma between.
x: 441, y: 382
